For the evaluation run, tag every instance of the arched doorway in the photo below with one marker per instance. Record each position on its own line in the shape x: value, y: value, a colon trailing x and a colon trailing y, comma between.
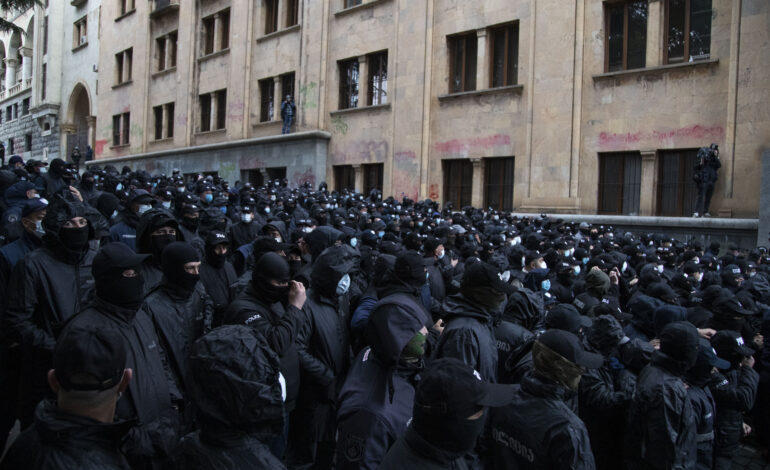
x: 80, y: 123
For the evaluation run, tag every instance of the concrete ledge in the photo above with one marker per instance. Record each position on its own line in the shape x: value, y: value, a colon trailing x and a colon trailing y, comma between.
x: 366, y: 4
x: 216, y: 146
x: 654, y: 69
x: 626, y: 220
x: 487, y: 91
x: 280, y: 32
x: 376, y: 107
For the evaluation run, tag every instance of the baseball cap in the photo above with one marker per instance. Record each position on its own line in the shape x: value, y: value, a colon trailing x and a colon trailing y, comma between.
x: 15, y: 159
x: 89, y: 359
x: 33, y: 205
x: 140, y: 196
x: 730, y: 305
x: 115, y: 255
x: 568, y: 346
x: 216, y: 237
x: 566, y: 317
x: 709, y: 354
x: 728, y: 343
x: 485, y: 275
x: 449, y: 388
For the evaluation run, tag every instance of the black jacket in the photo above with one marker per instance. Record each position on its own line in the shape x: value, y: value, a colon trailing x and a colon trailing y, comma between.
x: 660, y: 430
x: 734, y: 394
x: 412, y: 451
x: 60, y: 440
x: 509, y: 337
x: 435, y: 278
x: 225, y: 451
x: 243, y: 233
x: 147, y: 399
x: 217, y: 282
x: 279, y: 326
x: 468, y: 336
x: 704, y: 409
x: 538, y: 430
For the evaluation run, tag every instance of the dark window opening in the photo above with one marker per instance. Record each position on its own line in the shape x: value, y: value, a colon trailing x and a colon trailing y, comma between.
x: 271, y: 16
x: 498, y: 183
x: 462, y: 62
x: 378, y: 78
x: 158, y: 113
x: 221, y: 109
x: 344, y: 177
x: 458, y: 182
x: 688, y: 30
x: 348, y: 84
x: 505, y: 55
x: 205, y: 104
x: 267, y: 100
x: 626, y: 35
x: 292, y: 13
x: 676, y: 189
x: 620, y: 181
x: 373, y: 177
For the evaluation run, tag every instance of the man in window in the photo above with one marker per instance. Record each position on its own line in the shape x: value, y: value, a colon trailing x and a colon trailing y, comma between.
x: 705, y: 176
x: 288, y: 111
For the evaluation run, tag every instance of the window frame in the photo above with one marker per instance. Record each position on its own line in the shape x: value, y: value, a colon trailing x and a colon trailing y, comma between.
x: 381, y: 97
x: 292, y: 13
x: 621, y: 178
x: 607, y: 7
x: 351, y: 3
x: 511, y: 40
x: 343, y: 176
x: 685, y: 188
x: 453, y: 172
x: 205, y: 111
x: 503, y: 186
x: 272, y: 10
x: 121, y: 127
x: 453, y: 41
x: 347, y: 90
x: 78, y: 33
x: 221, y: 117
x: 266, y: 99
x: 688, y: 31
x: 157, y: 112
x: 373, y: 176
x: 208, y: 29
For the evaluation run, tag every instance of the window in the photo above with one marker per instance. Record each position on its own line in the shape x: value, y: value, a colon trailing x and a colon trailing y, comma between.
x: 169, y: 120
x: 620, y: 178
x: 221, y: 96
x: 208, y: 35
x: 378, y: 78
x: 158, y: 113
x: 125, y: 6
x: 205, y: 103
x: 688, y: 30
x: 292, y: 12
x: 348, y: 83
x: 372, y: 177
x: 45, y: 35
x: 216, y: 32
x: 164, y: 121
x: 11, y: 150
x: 271, y: 16
x: 171, y: 45
x: 504, y: 43
x: 462, y: 62
x: 80, y: 32
x: 166, y: 51
x: 498, y: 183
x: 161, y: 48
x: 43, y: 81
x: 123, y: 63
x: 15, y: 110
x: 121, y: 125
x: 25, y: 107
x: 344, y: 177
x: 287, y: 85
x: 8, y: 113
x: 676, y: 190
x: 626, y: 35
x: 224, y: 32
x: 266, y: 100
x: 458, y: 180
x: 352, y: 3
x: 28, y: 143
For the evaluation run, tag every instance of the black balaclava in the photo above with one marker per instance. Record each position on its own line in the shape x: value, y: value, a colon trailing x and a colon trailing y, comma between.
x: 271, y: 267
x: 75, y: 239
x: 57, y: 167
x: 125, y: 292
x: 158, y: 243
x: 175, y: 256
x: 214, y: 259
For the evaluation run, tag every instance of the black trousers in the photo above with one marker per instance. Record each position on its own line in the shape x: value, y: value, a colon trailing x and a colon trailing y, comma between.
x: 702, y: 203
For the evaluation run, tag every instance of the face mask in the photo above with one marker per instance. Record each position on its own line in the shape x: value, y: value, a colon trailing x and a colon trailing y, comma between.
x: 696, y: 260
x: 577, y: 270
x: 506, y: 276
x: 75, y: 239
x: 125, y: 292
x: 354, y: 242
x: 43, y: 170
x: 752, y: 273
x: 497, y: 217
x: 419, y: 224
x: 718, y: 268
x: 39, y: 227
x: 166, y: 204
x: 191, y: 223
x: 180, y: 189
x: 223, y: 209
x: 272, y: 197
x: 585, y: 260
x: 398, y: 208
x: 542, y: 265
x: 267, y: 210
x: 36, y: 196
x: 698, y: 276
x: 159, y: 242
x: 307, y: 230
x: 625, y: 266
x: 415, y: 348
x: 119, y: 187
x: 208, y: 197
x: 380, y: 234
x: 516, y: 240
x: 659, y: 268
x: 441, y: 254
x: 247, y: 217
x: 143, y: 208
x: 343, y: 285
x: 114, y: 214
x: 546, y: 285
x: 523, y: 260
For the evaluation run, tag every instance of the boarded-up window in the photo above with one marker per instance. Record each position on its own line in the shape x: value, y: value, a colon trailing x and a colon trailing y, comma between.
x: 372, y: 177
x: 676, y: 189
x: 620, y: 178
x: 458, y: 182
x: 498, y: 183
x: 344, y: 177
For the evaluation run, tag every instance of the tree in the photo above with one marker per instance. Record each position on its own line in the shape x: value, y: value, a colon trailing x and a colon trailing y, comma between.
x: 14, y: 5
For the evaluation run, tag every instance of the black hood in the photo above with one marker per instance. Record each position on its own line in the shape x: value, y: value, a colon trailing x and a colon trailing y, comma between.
x: 389, y: 330
x: 60, y: 210
x: 151, y: 221
x: 57, y: 428
x: 524, y: 308
x: 329, y: 268
x: 458, y: 306
x: 322, y: 238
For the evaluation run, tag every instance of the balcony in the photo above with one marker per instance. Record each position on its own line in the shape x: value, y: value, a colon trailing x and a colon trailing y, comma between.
x: 16, y: 89
x: 162, y: 7
x: 77, y: 3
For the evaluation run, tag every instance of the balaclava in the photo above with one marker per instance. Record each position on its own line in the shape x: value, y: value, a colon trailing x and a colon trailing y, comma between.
x: 271, y: 267
x: 174, y: 257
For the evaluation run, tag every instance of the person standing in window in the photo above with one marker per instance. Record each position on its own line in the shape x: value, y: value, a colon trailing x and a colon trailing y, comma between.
x: 705, y: 177
x: 288, y: 111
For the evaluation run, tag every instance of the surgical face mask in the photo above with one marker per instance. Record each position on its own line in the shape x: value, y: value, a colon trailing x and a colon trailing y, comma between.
x: 119, y: 187
x: 523, y: 260
x: 496, y: 217
x: 441, y: 254
x: 180, y: 189
x: 419, y: 224
x: 698, y: 276
x: 143, y: 208
x: 267, y: 210
x: 625, y: 266
x: 208, y: 197
x: 696, y: 260
x: 278, y: 240
x: 39, y: 227
x: 36, y: 196
x: 354, y: 242
x: 114, y: 214
x: 307, y: 230
x: 247, y: 217
x: 380, y: 234
x: 586, y: 260
x: 343, y: 285
x: 398, y: 208
x: 516, y: 240
x: 43, y: 170
x: 577, y: 270
x: 506, y: 276
x: 272, y: 197
x: 223, y: 209
x: 546, y: 285
x: 660, y: 268
x: 542, y: 265
x: 752, y: 273
x: 166, y: 204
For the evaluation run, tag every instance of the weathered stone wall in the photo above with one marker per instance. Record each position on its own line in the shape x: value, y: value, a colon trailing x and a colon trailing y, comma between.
x: 18, y: 128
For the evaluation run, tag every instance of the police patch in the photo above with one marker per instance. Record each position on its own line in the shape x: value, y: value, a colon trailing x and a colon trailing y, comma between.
x: 354, y: 448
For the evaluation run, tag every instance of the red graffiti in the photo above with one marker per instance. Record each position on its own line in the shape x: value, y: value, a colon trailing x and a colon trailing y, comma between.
x: 697, y: 132
x: 694, y: 132
x: 99, y: 147
x: 306, y: 177
x: 464, y: 145
x: 433, y: 193
x: 402, y: 156
x: 618, y: 139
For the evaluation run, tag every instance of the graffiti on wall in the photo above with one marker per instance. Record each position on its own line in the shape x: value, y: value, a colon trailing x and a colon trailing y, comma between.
x: 302, y: 177
x: 339, y: 126
x: 362, y: 151
x: 406, y: 174
x: 697, y: 134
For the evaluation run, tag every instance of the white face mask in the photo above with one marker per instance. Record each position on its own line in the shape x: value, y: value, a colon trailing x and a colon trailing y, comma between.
x: 272, y: 197
x: 343, y: 285
x: 307, y: 230
x: 267, y: 210
x: 43, y: 170
x: 505, y: 277
x: 696, y: 260
x: 577, y: 270
x: 143, y: 208
x: 441, y: 254
x: 278, y: 239
x: 496, y: 217
x: 247, y: 217
x: 39, y: 227
x: 516, y: 240
x: 166, y: 204
x: 114, y: 214
x: 660, y: 268
x: 698, y: 276
x: 354, y: 242
x: 542, y: 265
x: 625, y: 266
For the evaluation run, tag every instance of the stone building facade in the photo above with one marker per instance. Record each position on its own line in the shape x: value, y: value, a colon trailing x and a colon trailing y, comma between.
x: 538, y: 105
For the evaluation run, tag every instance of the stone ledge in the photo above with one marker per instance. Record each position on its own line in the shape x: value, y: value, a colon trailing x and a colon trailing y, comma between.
x: 663, y: 222
x: 280, y: 32
x: 160, y: 73
x: 80, y: 46
x: 214, y: 54
x: 376, y: 107
x: 654, y: 69
x: 128, y: 13
x: 122, y: 84
x: 360, y: 7
x: 267, y: 123
x: 489, y: 91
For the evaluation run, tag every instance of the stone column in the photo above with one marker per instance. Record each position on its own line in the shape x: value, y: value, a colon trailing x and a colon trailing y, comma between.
x: 358, y: 172
x: 91, y: 121
x: 277, y: 98
x: 477, y: 196
x: 482, y: 61
x: 10, y: 72
x: 214, y: 111
x: 363, y: 81
x: 654, y: 53
x: 217, y: 32
x: 648, y: 193
x: 26, y: 64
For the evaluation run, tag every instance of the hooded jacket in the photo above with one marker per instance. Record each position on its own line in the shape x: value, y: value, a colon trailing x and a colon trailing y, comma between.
x: 60, y: 440
x: 238, y: 396
x: 377, y: 396
x: 660, y: 429
x: 538, y: 430
x: 469, y: 336
x: 734, y: 393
